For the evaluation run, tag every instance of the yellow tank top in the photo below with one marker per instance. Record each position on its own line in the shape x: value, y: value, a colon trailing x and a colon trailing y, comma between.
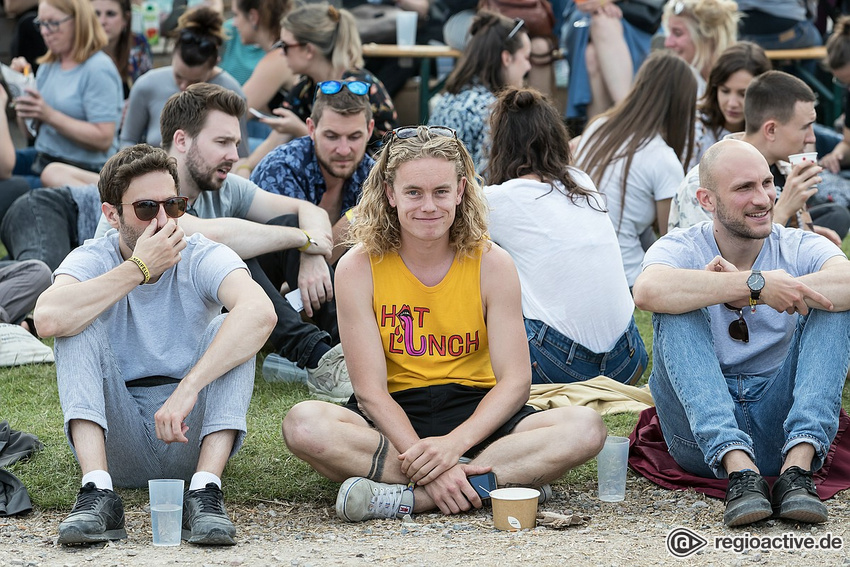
x: 432, y: 335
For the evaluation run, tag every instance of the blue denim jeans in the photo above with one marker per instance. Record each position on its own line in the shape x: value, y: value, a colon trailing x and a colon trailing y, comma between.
x: 704, y: 414
x: 558, y: 359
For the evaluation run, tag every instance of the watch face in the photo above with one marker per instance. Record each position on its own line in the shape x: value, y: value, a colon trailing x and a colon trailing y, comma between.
x: 755, y: 282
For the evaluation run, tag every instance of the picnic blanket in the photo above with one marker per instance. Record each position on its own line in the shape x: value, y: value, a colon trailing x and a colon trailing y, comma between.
x: 648, y: 456
x: 602, y: 394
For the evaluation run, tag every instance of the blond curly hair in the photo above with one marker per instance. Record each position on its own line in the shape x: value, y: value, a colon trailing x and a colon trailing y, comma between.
x: 375, y: 223
x: 713, y: 25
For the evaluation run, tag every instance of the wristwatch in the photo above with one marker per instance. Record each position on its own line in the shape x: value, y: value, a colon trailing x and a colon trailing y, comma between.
x: 756, y: 283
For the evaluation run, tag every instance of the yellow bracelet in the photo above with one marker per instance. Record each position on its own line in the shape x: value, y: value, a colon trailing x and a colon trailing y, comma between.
x: 142, y: 267
x: 307, y: 244
x: 349, y: 215
x: 244, y: 166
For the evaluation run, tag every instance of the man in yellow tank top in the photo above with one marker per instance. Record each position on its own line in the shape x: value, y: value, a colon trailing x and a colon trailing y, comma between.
x: 431, y: 324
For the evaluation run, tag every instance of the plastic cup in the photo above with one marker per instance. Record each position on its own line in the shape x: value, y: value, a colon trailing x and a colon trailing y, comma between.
x: 166, y: 498
x: 405, y: 28
x: 514, y: 508
x: 812, y: 157
x: 611, y: 465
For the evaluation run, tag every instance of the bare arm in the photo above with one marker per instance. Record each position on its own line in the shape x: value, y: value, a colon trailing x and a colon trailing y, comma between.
x: 270, y: 75
x: 7, y: 148
x: 90, y: 135
x: 839, y: 156
x: 69, y: 305
x: 14, y: 8
x: 833, y: 281
x: 364, y: 354
x: 246, y: 328
x: 662, y: 215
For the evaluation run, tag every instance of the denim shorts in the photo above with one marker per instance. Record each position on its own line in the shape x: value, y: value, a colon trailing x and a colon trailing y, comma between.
x: 558, y: 359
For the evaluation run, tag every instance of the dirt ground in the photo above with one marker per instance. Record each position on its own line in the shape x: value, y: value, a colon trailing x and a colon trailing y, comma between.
x: 633, y: 532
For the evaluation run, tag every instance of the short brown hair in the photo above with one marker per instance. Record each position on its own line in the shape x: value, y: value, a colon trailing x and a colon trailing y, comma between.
x: 773, y: 96
x: 128, y: 164
x: 188, y: 110
x: 344, y: 102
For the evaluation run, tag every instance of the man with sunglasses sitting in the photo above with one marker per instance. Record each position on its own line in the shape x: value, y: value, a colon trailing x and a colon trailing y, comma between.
x: 153, y: 379
x: 328, y: 166
x: 751, y: 335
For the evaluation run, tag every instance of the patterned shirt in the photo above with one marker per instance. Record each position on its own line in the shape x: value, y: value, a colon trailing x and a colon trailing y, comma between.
x: 293, y: 170
x: 300, y: 101
x: 468, y: 113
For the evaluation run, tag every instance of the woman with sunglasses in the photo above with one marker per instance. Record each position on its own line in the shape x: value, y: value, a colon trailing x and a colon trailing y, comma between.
x: 75, y: 110
x: 195, y: 60
x: 635, y: 153
x: 129, y: 51
x: 321, y: 44
x: 551, y: 220
x: 698, y: 31
x: 496, y: 56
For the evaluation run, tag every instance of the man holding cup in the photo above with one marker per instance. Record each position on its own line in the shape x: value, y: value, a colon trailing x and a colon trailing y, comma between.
x: 780, y: 113
x: 153, y: 379
x: 751, y: 342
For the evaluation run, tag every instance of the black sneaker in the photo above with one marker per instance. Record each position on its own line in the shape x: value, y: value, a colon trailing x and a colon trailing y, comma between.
x: 205, y: 521
x: 746, y: 499
x: 795, y: 498
x: 97, y: 516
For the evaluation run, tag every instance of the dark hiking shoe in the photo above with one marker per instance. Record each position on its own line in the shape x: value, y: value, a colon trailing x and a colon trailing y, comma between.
x: 795, y: 498
x: 746, y: 499
x: 205, y: 521
x: 97, y: 516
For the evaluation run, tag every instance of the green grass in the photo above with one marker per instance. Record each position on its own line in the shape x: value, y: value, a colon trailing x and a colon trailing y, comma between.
x: 262, y: 470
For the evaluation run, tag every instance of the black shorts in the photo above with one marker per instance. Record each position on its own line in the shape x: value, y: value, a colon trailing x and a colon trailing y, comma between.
x: 437, y: 410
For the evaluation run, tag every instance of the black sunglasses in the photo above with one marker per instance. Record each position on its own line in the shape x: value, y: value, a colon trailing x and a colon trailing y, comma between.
x: 280, y: 44
x: 518, y: 23
x: 738, y: 328
x: 204, y: 43
x: 147, y: 209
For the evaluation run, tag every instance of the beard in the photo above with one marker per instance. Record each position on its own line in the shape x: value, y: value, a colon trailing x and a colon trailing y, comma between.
x: 739, y: 227
x: 205, y: 177
x: 334, y: 170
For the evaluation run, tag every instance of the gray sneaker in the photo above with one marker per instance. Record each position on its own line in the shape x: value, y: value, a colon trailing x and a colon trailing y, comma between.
x: 362, y: 499
x: 205, y: 521
x: 97, y: 516
x: 329, y: 380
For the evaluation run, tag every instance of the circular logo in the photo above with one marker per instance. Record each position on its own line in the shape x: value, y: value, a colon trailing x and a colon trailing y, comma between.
x: 682, y: 542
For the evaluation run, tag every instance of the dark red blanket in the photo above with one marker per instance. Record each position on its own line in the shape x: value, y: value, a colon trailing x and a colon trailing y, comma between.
x: 648, y: 456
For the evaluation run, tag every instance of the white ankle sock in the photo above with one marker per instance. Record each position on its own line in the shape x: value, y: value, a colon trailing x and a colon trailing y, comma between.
x: 201, y: 478
x: 100, y: 478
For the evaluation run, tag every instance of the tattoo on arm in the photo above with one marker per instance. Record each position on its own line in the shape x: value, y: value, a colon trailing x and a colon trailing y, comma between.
x: 378, y: 459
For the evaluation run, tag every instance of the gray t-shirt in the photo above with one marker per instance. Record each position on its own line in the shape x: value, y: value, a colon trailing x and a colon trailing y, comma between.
x: 232, y: 200
x: 90, y: 92
x: 155, y: 329
x: 796, y: 251
x: 148, y: 97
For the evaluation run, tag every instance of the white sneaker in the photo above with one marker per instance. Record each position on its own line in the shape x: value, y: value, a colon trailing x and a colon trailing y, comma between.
x: 362, y: 499
x: 329, y: 380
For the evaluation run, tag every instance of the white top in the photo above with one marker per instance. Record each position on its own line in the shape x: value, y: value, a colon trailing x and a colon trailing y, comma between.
x: 567, y: 257
x: 654, y: 175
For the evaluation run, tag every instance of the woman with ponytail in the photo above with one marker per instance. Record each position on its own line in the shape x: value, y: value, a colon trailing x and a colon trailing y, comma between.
x: 321, y: 43
x: 551, y: 219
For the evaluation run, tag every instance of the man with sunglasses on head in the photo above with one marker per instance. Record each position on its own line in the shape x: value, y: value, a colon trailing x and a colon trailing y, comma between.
x: 153, y: 379
x: 751, y: 335
x: 329, y: 165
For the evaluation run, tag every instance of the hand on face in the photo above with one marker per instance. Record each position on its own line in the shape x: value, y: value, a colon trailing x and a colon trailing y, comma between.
x: 160, y: 249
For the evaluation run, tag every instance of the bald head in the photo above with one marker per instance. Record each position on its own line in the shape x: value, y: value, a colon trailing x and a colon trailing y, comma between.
x: 717, y: 156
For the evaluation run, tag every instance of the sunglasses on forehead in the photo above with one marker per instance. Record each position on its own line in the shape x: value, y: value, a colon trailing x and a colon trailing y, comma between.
x: 360, y: 88
x: 147, y: 209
